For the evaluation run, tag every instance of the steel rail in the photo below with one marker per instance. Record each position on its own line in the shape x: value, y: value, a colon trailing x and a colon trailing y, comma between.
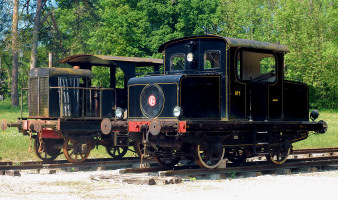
x: 258, y: 166
x: 104, y: 162
x: 254, y: 166
x: 264, y: 168
x: 129, y: 161
x: 317, y: 150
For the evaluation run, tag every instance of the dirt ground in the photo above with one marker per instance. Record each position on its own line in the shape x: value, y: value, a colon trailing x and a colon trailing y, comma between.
x: 80, y: 185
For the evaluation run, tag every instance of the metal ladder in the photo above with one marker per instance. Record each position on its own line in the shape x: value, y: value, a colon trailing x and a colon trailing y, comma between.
x: 261, y: 138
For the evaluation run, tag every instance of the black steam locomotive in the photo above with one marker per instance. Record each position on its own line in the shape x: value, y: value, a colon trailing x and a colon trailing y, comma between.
x: 217, y: 98
x: 66, y: 110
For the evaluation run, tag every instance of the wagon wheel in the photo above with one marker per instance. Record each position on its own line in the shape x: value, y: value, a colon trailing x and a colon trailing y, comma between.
x: 75, y: 151
x: 47, y: 152
x: 207, y: 157
x: 236, y: 156
x: 278, y: 154
x: 167, y: 157
x: 117, y: 152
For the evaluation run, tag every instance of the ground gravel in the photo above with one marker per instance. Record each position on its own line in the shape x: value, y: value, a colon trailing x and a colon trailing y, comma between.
x: 79, y: 185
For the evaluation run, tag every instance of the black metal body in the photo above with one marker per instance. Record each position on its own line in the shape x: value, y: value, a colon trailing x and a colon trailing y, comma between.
x: 63, y: 100
x: 66, y: 111
x: 232, y: 93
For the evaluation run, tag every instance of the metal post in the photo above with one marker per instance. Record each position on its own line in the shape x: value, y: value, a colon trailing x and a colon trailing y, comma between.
x: 250, y: 102
x: 21, y: 102
x: 61, y: 103
x: 38, y: 96
x: 83, y: 100
x: 266, y: 89
x: 50, y: 56
x: 90, y: 102
x: 101, y: 93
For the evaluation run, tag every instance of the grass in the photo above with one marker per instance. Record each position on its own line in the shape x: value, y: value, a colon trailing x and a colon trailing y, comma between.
x: 328, y: 139
x: 14, y: 146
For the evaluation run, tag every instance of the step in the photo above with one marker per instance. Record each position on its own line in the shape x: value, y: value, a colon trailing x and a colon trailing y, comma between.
x: 262, y: 132
x: 261, y: 153
x: 261, y: 143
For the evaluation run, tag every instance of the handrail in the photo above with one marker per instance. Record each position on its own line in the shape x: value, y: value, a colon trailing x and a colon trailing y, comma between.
x: 82, y: 113
x: 83, y: 99
x: 22, y: 100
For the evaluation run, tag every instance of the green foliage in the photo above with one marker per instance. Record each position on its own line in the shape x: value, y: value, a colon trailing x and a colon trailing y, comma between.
x: 139, y: 27
x: 101, y: 77
x: 308, y: 28
x: 232, y: 174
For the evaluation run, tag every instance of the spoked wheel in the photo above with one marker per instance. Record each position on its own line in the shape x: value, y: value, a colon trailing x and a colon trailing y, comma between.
x: 278, y: 154
x: 167, y: 157
x: 209, y: 158
x: 76, y: 151
x: 236, y: 156
x: 47, y: 151
x: 117, y: 152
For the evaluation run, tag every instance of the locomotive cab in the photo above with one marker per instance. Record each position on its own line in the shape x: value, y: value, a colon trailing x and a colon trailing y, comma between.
x: 218, y: 98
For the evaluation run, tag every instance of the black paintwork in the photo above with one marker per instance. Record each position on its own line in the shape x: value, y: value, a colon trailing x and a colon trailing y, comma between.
x: 233, y: 104
x: 238, y: 99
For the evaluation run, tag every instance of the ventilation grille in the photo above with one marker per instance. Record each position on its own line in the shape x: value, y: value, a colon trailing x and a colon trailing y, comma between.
x: 152, y: 100
x: 38, y: 97
x: 33, y: 96
x: 44, y: 94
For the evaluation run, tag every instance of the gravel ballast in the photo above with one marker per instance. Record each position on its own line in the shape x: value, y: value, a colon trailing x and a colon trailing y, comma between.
x: 79, y: 185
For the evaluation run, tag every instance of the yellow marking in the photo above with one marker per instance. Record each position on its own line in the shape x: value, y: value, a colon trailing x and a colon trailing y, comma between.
x: 275, y: 100
x: 237, y: 93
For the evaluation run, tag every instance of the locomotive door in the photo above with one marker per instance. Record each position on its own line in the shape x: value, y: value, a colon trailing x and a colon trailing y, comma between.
x: 256, y: 71
x: 212, y: 59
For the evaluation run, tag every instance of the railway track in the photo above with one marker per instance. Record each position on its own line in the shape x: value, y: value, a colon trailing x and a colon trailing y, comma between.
x: 299, y: 160
x: 312, y: 151
x: 104, y: 163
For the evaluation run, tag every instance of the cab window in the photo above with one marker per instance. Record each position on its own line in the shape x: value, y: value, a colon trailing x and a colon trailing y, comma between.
x: 177, y: 62
x: 212, y: 59
x: 255, y: 66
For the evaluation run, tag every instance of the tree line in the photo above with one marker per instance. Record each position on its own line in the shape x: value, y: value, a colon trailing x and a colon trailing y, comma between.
x: 138, y: 27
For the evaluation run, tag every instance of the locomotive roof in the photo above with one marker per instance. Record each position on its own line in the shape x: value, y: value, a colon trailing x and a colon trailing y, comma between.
x: 54, y: 71
x: 103, y: 60
x: 234, y: 42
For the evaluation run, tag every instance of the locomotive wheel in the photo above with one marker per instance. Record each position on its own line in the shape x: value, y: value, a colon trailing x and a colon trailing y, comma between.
x: 117, y: 152
x: 208, y: 158
x: 75, y: 151
x: 278, y: 154
x: 236, y: 156
x: 167, y: 157
x: 47, y: 152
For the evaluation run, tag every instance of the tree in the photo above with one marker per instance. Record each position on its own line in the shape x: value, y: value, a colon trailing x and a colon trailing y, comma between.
x: 137, y: 28
x: 308, y: 28
x: 77, y: 21
x: 15, y: 63
x: 34, y: 52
